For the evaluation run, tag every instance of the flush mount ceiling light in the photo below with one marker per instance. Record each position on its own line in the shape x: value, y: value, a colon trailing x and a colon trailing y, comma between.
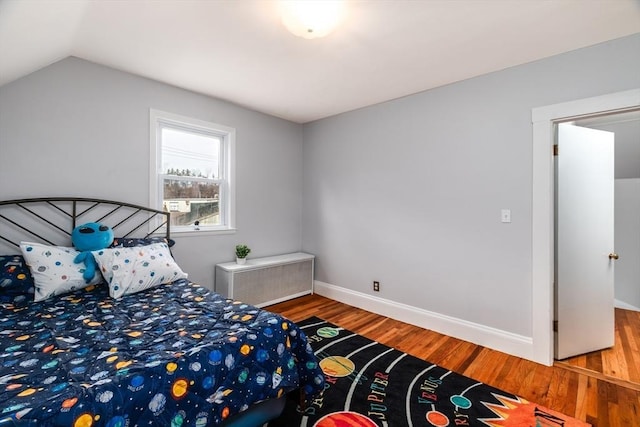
x: 311, y: 19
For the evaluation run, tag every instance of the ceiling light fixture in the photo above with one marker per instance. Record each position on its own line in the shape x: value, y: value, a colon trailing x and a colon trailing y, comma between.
x: 311, y: 19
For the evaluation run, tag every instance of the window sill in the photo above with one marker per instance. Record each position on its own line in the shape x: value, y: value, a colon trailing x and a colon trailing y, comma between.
x: 194, y: 233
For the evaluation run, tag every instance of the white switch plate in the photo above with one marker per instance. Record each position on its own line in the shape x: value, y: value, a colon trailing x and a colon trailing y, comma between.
x: 505, y: 215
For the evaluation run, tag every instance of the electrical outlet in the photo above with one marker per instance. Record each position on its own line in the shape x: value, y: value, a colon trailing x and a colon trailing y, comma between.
x: 505, y: 215
x: 376, y: 286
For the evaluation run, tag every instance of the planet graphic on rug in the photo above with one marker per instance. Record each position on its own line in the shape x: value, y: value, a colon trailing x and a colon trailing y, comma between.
x: 437, y: 419
x: 337, y: 366
x: 328, y: 332
x: 345, y: 419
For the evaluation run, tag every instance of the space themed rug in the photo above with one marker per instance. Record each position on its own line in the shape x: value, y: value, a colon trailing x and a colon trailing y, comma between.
x: 369, y: 384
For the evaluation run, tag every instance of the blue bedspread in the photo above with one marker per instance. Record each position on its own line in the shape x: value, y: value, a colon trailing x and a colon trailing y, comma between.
x: 174, y: 355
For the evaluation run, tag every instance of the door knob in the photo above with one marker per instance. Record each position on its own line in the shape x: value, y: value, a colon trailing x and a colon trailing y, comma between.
x: 613, y: 256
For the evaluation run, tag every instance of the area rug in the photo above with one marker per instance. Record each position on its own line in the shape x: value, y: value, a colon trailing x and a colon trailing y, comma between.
x: 369, y: 384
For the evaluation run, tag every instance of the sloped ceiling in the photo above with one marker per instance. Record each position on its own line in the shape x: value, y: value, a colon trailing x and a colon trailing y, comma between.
x: 239, y: 51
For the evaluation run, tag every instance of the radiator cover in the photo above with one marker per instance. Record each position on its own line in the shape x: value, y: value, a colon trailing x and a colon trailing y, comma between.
x: 266, y: 281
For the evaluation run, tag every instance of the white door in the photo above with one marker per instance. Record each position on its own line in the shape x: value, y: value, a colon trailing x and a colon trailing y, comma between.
x: 584, y: 241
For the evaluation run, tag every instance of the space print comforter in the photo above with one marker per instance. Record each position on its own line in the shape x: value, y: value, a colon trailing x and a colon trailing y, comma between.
x: 173, y: 355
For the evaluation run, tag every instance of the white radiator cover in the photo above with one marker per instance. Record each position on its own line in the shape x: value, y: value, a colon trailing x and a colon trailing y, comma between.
x: 266, y: 281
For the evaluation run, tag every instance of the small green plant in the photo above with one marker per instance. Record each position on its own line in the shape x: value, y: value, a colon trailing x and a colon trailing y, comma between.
x: 242, y: 251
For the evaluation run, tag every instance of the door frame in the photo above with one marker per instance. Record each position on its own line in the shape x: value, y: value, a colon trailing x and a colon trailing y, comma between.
x: 542, y: 238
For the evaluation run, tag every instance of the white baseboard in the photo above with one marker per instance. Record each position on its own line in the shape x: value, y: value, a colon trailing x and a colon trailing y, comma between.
x: 622, y: 304
x: 507, y: 342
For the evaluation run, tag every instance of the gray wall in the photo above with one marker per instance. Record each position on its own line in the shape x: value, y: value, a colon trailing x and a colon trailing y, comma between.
x: 79, y: 129
x: 627, y: 148
x: 627, y: 238
x: 409, y: 192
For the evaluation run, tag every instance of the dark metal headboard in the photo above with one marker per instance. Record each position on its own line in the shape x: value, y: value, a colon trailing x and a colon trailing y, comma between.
x: 52, y: 219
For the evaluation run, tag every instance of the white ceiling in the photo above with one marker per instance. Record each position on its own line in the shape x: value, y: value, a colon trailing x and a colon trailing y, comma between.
x: 239, y: 51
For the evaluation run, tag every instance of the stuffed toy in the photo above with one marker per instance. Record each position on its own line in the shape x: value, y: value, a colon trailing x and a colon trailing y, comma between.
x: 88, y: 237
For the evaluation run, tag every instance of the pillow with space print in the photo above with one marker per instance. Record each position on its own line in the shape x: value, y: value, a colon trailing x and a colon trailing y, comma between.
x: 54, y: 270
x: 134, y: 269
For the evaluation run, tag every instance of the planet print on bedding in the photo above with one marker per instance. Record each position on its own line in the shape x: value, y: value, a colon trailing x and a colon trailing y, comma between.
x: 171, y: 355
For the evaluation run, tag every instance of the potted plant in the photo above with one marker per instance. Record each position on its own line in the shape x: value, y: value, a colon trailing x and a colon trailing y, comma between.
x: 241, y: 253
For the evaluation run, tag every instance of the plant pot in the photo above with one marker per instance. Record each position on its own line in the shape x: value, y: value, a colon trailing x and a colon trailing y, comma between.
x: 241, y: 261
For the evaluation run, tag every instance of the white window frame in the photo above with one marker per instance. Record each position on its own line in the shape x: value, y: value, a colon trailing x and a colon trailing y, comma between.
x: 227, y: 135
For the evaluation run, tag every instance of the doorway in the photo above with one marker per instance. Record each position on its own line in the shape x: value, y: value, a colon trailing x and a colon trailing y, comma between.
x: 626, y: 128
x: 610, y: 356
x: 544, y: 120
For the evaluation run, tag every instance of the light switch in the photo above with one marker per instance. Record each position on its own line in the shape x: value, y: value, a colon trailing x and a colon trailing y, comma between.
x: 505, y: 215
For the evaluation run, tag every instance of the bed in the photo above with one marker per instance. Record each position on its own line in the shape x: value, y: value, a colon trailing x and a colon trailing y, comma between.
x: 174, y: 354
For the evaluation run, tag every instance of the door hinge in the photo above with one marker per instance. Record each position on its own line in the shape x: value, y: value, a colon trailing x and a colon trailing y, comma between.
x: 555, y: 326
x: 555, y: 149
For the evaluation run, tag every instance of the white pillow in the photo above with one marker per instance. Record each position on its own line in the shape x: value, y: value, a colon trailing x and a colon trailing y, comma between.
x: 131, y: 270
x: 53, y: 269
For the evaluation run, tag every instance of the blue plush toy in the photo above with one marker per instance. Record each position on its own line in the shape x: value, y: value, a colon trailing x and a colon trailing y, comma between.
x: 88, y: 237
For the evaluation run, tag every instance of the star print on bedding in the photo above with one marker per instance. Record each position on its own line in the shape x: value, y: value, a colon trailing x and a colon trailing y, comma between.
x: 16, y: 283
x: 128, y: 270
x: 54, y: 269
x: 170, y: 355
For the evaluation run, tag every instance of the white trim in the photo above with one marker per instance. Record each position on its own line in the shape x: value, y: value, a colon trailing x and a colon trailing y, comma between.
x: 228, y: 165
x: 230, y: 173
x: 625, y: 306
x: 498, y: 339
x: 154, y: 168
x: 542, y: 240
x: 191, y: 123
x: 200, y: 233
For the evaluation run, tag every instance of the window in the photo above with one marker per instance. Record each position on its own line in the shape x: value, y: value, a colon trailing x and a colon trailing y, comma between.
x: 192, y: 165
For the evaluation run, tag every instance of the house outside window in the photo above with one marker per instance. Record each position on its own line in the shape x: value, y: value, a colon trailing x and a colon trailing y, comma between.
x: 192, y: 164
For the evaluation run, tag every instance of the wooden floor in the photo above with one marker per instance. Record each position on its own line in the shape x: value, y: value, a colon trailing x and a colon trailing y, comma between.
x: 620, y: 363
x: 597, y: 401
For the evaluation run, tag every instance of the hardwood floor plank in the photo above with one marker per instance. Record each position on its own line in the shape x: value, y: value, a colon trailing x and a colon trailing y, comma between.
x: 562, y: 389
x: 470, y: 358
x: 581, y: 398
x: 628, y: 407
x: 630, y: 336
x: 574, y: 391
x: 594, y: 361
x: 603, y: 405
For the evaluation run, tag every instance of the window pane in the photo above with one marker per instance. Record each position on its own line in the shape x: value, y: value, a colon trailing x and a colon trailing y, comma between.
x: 190, y: 201
x: 190, y: 154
